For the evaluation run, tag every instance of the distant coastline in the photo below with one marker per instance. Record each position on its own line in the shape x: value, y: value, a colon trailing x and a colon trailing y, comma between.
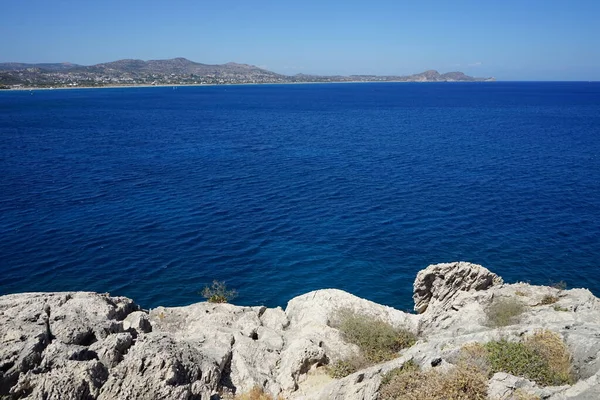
x: 25, y: 89
x: 183, y: 72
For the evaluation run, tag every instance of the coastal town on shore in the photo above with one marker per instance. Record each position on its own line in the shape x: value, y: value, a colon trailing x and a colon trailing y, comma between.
x: 179, y: 72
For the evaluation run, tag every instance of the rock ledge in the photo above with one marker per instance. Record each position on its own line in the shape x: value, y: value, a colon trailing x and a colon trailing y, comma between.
x: 83, y: 345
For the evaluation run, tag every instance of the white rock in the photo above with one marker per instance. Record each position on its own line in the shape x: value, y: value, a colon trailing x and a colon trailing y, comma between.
x: 441, y: 282
x: 99, y: 347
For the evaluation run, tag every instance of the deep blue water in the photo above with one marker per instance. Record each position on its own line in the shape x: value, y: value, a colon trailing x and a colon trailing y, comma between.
x: 152, y: 193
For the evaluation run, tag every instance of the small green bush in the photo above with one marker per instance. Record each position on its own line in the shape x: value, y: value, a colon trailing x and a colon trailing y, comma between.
x: 504, y: 312
x: 542, y: 357
x: 518, y: 359
x: 377, y: 340
x: 559, y: 308
x: 218, y: 293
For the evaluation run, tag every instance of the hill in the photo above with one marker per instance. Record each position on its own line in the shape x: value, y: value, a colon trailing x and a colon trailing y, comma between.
x: 180, y: 71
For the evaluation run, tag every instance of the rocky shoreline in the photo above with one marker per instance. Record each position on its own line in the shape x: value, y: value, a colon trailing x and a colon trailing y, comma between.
x: 83, y: 345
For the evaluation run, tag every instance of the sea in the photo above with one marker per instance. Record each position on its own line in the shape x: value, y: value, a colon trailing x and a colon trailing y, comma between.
x: 277, y: 190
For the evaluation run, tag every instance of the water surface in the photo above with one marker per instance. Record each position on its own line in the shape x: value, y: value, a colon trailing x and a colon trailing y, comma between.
x: 152, y: 193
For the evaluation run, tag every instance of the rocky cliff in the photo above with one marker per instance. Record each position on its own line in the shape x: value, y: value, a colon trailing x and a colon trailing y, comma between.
x: 82, y: 345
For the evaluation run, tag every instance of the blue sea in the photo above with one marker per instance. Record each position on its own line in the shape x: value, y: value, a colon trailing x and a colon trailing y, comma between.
x: 277, y: 190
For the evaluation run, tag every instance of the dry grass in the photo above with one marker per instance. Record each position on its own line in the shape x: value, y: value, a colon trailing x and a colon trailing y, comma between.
x: 340, y: 369
x: 542, y: 357
x: 377, y: 340
x: 548, y: 299
x: 463, y: 382
x: 552, y: 348
x: 476, y: 355
x: 504, y: 312
x: 256, y: 393
x: 521, y: 394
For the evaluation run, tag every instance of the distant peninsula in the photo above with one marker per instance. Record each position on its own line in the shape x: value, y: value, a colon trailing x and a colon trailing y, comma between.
x: 181, y: 71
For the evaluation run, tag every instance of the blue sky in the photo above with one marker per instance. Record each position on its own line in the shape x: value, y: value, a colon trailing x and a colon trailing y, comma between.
x: 511, y: 40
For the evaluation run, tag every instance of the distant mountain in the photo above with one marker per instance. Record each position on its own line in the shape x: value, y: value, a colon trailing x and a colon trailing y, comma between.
x: 43, y: 66
x: 177, y: 66
x: 180, y: 71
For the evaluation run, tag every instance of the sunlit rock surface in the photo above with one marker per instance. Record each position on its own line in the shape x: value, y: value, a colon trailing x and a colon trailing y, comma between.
x: 83, y: 345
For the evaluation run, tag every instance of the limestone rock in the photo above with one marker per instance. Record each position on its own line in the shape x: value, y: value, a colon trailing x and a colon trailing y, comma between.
x: 92, y: 346
x: 275, y: 318
x: 111, y: 350
x: 504, y: 386
x: 297, y: 359
x: 74, y: 380
x: 138, y: 321
x: 311, y: 314
x: 159, y: 367
x: 31, y: 322
x: 440, y: 282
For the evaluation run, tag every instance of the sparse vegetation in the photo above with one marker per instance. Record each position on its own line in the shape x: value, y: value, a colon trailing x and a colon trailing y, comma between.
x: 559, y: 308
x: 464, y: 382
x: 521, y: 394
x: 561, y: 285
x: 377, y: 340
x: 218, y: 293
x: 542, y: 357
x: 552, y: 348
x: 255, y: 393
x: 504, y: 312
x: 342, y: 368
x: 520, y: 293
x: 549, y: 299
x: 408, y: 367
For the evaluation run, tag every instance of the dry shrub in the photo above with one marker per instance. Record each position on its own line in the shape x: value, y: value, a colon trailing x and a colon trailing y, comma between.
x: 377, y: 340
x: 517, y: 359
x: 504, y: 311
x: 552, y: 348
x: 256, y: 393
x: 476, y: 355
x: 542, y: 357
x: 560, y: 285
x: 463, y: 382
x: 342, y: 368
x: 521, y: 394
x: 218, y: 293
x: 549, y: 299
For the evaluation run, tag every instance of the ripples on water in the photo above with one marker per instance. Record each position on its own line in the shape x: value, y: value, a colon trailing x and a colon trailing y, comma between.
x: 278, y: 190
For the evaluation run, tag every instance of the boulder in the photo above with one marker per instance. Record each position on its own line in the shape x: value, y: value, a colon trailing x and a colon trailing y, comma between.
x: 441, y: 282
x: 138, y: 322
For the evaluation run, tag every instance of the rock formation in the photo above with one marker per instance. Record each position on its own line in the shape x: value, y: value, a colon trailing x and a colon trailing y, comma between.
x: 83, y: 345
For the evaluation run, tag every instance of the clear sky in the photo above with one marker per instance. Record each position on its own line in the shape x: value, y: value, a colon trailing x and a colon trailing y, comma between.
x: 508, y: 39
